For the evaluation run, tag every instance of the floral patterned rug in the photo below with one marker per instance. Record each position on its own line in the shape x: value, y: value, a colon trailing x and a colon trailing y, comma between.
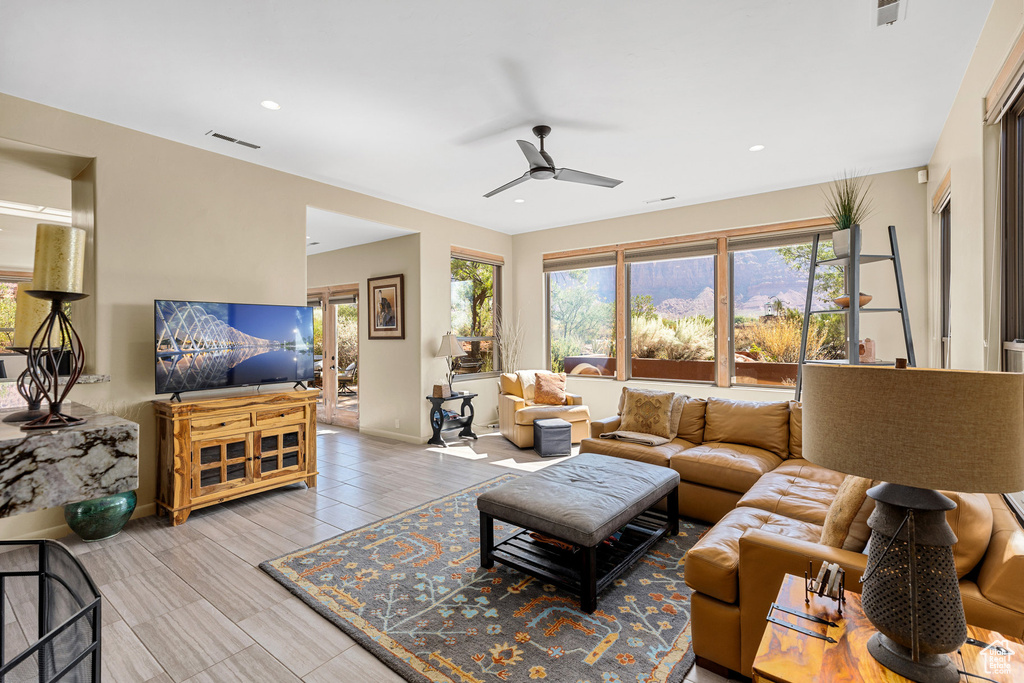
x: 410, y: 589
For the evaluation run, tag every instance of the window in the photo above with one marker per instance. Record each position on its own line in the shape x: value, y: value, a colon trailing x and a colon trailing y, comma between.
x: 672, y: 312
x: 769, y: 292
x: 476, y: 284
x: 8, y: 299
x: 724, y: 308
x: 581, y: 306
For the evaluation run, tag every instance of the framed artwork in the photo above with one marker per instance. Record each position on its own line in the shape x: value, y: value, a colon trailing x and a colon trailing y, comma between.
x: 387, y: 299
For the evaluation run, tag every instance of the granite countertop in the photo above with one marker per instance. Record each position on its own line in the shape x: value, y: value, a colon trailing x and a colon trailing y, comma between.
x: 53, y: 467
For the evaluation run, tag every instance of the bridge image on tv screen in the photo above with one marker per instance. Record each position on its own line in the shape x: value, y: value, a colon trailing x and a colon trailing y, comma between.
x: 203, y: 345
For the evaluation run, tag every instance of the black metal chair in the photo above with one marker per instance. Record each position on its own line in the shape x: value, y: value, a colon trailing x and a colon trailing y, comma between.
x: 347, y: 378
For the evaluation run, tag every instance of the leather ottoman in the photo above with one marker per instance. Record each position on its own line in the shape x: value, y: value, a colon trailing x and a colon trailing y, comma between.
x: 552, y: 437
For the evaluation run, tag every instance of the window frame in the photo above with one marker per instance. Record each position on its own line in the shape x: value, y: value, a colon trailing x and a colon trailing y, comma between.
x: 18, y: 278
x: 723, y: 319
x: 497, y: 262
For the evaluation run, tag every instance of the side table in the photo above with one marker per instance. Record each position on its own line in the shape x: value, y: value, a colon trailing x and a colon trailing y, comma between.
x: 439, y: 424
x: 788, y: 656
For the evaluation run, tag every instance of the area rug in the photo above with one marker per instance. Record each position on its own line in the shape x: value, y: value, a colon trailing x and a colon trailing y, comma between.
x: 410, y: 590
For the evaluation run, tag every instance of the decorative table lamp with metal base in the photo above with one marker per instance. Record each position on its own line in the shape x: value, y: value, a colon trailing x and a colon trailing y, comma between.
x: 32, y: 394
x: 450, y: 348
x: 43, y: 360
x: 918, y: 430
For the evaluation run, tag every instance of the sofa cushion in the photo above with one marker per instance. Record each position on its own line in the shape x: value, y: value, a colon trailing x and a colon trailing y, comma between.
x: 691, y: 420
x: 648, y: 412
x: 1000, y: 576
x: 796, y: 430
x: 730, y: 466
x: 849, y: 500
x: 527, y: 415
x: 712, y: 564
x: 550, y: 389
x: 971, y: 521
x: 796, y: 489
x: 654, y: 455
x: 762, y: 425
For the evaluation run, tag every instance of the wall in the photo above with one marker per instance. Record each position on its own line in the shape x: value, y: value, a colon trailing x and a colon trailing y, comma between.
x: 389, y: 369
x: 969, y: 151
x: 172, y: 221
x: 897, y: 199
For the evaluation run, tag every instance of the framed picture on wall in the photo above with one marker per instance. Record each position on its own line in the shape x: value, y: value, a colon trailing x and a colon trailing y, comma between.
x: 387, y: 307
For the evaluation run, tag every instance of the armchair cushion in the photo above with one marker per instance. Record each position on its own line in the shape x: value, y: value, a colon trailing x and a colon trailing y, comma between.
x: 527, y: 414
x: 550, y: 389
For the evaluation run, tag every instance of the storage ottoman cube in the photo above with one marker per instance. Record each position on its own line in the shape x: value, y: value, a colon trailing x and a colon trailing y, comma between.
x: 552, y: 437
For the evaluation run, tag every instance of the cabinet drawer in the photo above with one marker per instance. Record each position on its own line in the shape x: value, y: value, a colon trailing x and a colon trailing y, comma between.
x: 281, y: 416
x: 203, y: 427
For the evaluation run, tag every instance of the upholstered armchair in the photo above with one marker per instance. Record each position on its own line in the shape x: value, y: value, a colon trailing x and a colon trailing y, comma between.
x: 517, y: 411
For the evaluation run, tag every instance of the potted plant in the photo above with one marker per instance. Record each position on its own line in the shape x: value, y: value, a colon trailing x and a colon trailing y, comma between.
x: 847, y: 205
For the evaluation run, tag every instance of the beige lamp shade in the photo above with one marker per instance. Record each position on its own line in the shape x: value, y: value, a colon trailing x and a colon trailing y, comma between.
x: 450, y: 346
x: 932, y: 429
x: 60, y: 258
x: 29, y: 313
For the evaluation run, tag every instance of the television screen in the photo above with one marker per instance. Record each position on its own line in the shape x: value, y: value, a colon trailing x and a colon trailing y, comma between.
x: 204, y: 345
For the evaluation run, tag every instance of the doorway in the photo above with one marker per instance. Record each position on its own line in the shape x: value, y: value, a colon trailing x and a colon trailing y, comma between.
x: 336, y: 343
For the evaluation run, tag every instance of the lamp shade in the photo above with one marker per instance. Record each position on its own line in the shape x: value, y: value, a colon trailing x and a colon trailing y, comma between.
x: 930, y: 429
x: 59, y: 259
x: 450, y: 346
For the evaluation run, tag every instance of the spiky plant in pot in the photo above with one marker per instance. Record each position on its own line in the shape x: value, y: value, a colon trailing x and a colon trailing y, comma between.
x: 847, y: 204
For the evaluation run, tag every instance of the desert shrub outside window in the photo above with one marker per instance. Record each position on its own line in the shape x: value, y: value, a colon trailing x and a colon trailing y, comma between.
x: 475, y: 288
x: 581, y: 315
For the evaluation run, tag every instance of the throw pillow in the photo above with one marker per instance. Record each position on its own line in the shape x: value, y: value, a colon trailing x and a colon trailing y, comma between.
x: 648, y: 412
x: 844, y: 509
x: 550, y: 389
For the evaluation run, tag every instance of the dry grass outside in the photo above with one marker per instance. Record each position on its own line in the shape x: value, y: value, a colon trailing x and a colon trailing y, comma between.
x: 684, y: 339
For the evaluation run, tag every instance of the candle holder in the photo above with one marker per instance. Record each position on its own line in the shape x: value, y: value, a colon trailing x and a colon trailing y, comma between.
x: 29, y: 391
x: 43, y: 360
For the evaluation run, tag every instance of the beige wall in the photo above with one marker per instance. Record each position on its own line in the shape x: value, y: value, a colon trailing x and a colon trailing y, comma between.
x: 173, y: 221
x: 969, y: 151
x: 897, y: 198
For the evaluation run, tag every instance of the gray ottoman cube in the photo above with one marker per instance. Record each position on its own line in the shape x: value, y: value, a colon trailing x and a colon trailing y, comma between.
x: 552, y: 437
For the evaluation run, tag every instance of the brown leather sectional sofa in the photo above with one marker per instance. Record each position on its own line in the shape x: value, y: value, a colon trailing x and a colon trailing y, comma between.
x: 741, y: 469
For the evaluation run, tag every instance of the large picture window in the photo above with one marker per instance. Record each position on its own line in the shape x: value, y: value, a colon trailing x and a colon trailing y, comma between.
x: 8, y: 299
x: 581, y: 324
x: 672, y: 312
x: 726, y: 307
x: 475, y: 306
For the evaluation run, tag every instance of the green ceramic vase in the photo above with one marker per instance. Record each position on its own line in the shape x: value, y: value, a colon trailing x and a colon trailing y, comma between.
x: 100, y: 518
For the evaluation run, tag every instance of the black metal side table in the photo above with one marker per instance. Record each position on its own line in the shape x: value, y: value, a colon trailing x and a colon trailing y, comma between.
x: 441, y: 424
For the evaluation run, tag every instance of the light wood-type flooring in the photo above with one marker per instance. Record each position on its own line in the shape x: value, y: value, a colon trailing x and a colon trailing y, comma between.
x: 189, y: 603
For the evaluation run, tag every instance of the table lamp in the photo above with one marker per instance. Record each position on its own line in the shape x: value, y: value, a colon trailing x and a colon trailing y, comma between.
x: 450, y: 348
x: 917, y: 430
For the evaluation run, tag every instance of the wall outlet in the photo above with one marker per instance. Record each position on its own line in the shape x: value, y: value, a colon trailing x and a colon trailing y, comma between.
x: 396, y: 423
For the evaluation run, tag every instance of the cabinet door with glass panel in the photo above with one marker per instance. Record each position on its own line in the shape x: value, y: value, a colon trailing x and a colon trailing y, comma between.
x: 221, y: 463
x: 281, y: 452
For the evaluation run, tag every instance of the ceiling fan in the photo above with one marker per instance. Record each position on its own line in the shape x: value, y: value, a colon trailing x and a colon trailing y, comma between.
x: 542, y: 167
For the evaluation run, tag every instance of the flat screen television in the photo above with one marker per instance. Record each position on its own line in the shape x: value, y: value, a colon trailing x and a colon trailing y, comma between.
x: 207, y: 345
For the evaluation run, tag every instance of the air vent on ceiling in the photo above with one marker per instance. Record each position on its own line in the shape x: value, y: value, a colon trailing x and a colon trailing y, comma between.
x: 660, y: 199
x: 889, y: 11
x: 243, y: 143
x: 312, y: 244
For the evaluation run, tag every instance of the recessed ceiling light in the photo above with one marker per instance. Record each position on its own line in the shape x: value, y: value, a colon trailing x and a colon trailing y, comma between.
x: 757, y: 148
x: 270, y: 104
x: 307, y: 237
x: 519, y: 201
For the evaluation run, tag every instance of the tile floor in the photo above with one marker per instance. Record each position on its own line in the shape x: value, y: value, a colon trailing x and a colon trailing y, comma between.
x: 189, y: 603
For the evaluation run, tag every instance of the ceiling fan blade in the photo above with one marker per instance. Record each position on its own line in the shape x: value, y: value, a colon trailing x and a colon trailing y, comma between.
x: 525, y: 176
x: 532, y: 154
x: 585, y: 178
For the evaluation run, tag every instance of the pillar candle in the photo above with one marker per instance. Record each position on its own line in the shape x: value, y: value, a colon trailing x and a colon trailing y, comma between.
x: 60, y: 258
x: 29, y: 313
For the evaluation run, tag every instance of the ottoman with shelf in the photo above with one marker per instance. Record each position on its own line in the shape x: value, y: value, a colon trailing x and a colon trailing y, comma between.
x: 580, y: 502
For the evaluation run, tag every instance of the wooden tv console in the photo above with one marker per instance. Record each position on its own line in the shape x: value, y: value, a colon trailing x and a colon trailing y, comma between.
x: 217, y: 449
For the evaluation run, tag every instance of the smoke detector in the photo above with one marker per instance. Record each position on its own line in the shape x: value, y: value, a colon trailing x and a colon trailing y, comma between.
x: 888, y: 12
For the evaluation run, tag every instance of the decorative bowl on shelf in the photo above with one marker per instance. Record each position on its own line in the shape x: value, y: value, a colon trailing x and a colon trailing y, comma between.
x: 844, y: 301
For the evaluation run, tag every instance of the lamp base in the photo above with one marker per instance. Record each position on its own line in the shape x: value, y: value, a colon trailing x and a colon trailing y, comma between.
x: 899, y: 659
x: 24, y: 416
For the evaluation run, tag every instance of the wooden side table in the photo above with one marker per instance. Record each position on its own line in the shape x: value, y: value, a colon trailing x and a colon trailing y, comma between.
x: 439, y: 424
x: 787, y: 656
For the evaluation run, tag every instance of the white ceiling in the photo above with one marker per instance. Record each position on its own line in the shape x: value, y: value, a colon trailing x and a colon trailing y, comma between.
x: 421, y: 102
x: 330, y: 231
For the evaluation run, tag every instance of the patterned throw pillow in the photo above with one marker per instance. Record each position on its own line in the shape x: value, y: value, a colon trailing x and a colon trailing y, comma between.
x: 550, y: 389
x: 648, y: 412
